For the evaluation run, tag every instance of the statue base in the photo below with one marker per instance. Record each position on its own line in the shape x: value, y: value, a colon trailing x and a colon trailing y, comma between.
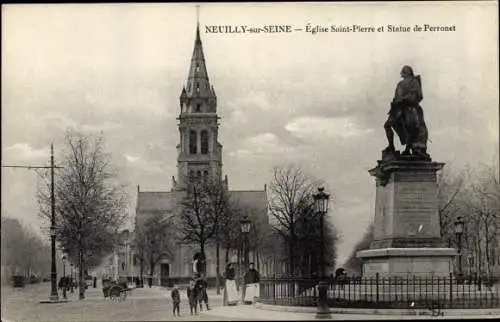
x: 407, y: 261
x: 406, y: 237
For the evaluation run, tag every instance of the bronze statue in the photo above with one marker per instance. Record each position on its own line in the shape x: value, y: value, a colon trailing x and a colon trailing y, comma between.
x: 406, y: 116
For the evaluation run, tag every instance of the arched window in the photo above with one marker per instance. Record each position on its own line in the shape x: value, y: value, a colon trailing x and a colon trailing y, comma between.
x: 198, y: 108
x: 204, y: 141
x: 192, y: 142
x: 191, y: 173
x: 197, y: 67
x: 199, y: 173
x: 205, y: 173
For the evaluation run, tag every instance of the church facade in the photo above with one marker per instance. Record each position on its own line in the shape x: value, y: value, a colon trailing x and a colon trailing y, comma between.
x: 199, y: 155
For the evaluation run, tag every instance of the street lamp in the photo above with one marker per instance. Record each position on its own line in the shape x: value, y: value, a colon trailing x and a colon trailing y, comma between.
x: 245, y: 229
x: 321, y: 207
x: 459, y: 230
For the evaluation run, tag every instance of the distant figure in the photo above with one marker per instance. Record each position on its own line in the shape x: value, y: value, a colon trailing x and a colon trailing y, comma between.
x: 95, y: 282
x: 252, y: 279
x: 192, y: 294
x: 198, y: 265
x: 150, y: 281
x: 176, y: 300
x: 230, y: 292
x: 201, y: 286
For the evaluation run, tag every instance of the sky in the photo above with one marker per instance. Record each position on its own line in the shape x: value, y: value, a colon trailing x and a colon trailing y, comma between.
x: 318, y: 101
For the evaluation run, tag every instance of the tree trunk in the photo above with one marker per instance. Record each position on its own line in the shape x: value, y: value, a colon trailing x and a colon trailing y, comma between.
x: 151, y: 267
x: 487, y: 247
x: 292, y: 245
x: 142, y: 270
x: 202, y: 248
x: 257, y: 258
x: 227, y: 253
x: 81, y: 278
x: 217, y: 267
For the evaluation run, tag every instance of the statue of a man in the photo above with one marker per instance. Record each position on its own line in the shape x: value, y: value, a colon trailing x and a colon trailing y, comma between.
x: 406, y: 116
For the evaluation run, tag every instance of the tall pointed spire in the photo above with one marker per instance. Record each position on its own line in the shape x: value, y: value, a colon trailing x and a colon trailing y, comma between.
x: 198, y: 84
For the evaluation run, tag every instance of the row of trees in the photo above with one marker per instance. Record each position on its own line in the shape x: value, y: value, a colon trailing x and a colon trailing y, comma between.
x: 90, y: 204
x: 295, y: 222
x: 209, y: 214
x: 473, y: 195
x: 23, y: 251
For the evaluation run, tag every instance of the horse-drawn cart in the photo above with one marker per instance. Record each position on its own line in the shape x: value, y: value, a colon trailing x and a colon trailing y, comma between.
x: 115, y: 290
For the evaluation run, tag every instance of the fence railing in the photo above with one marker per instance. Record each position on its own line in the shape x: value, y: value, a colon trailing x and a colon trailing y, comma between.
x: 385, y: 292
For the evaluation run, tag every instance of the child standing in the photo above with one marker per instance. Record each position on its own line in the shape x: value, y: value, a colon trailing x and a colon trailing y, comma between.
x: 192, y: 294
x: 176, y: 300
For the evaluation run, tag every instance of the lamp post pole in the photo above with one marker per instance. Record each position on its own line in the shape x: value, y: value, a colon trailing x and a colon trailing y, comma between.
x: 245, y: 229
x: 53, y: 272
x: 321, y: 207
x: 459, y: 229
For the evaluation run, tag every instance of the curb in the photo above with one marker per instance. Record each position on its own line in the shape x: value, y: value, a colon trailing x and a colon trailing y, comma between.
x: 258, y: 313
x: 399, y: 312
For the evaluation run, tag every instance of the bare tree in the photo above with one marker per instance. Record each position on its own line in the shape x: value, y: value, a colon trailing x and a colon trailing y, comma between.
x: 197, y: 216
x: 290, y: 198
x: 23, y: 251
x: 155, y: 241
x: 90, y: 204
x: 449, y: 187
x: 480, y: 203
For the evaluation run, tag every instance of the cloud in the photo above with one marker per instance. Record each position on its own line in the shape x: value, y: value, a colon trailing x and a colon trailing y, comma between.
x: 263, y: 145
x: 315, y: 128
x: 130, y: 158
x: 103, y: 127
x: 25, y: 151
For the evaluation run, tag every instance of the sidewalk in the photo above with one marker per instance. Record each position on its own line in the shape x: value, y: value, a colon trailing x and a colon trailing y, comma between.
x: 252, y: 312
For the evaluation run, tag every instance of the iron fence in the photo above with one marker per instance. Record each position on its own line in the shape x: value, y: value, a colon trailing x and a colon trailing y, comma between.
x: 446, y: 292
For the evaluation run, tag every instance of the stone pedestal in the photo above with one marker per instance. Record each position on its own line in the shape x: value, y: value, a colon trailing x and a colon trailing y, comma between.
x: 407, y: 237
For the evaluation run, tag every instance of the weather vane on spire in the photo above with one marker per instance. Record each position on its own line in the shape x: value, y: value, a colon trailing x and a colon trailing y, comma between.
x: 198, y: 14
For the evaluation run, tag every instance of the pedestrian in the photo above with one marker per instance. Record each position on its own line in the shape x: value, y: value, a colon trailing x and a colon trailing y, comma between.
x: 230, y: 292
x: 64, y: 286
x: 176, y: 300
x: 192, y: 294
x: 252, y: 278
x: 202, y: 286
x: 95, y: 281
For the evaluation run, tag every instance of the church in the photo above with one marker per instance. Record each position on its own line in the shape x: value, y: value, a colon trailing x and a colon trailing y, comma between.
x: 199, y: 154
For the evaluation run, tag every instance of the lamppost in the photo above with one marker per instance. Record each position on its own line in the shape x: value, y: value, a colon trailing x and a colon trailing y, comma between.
x: 245, y: 229
x: 321, y: 208
x: 65, y: 279
x: 459, y: 230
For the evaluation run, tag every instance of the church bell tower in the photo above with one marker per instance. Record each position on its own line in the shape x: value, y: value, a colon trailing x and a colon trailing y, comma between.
x: 199, y: 154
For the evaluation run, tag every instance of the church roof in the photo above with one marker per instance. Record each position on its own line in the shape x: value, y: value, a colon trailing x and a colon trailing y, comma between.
x: 158, y: 201
x: 256, y: 200
x: 168, y: 203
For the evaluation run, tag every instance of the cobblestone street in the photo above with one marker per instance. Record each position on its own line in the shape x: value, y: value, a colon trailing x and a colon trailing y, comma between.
x: 142, y: 305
